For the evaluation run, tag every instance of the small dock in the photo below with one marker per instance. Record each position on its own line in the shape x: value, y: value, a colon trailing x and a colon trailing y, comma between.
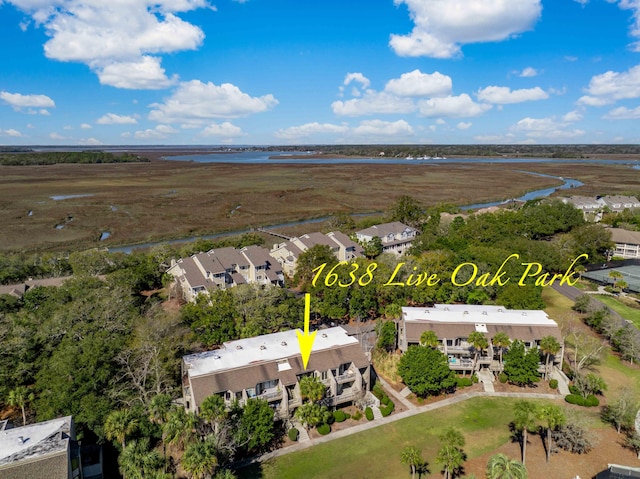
x: 273, y: 233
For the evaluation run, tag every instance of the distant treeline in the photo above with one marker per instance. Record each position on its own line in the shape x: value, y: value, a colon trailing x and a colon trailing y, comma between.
x: 529, y: 151
x: 55, y: 157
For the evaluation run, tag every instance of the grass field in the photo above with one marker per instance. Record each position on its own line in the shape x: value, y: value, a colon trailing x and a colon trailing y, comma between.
x: 624, y: 310
x: 376, y: 453
x: 172, y: 199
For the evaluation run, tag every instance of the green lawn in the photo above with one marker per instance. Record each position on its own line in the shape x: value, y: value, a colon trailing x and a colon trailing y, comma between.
x: 627, y: 312
x: 376, y: 453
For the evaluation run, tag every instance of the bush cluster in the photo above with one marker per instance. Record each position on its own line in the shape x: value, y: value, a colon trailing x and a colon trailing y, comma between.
x: 324, y: 429
x: 503, y: 378
x: 386, y: 406
x: 553, y: 384
x: 339, y: 416
x: 357, y: 416
x: 589, y: 401
x: 293, y: 434
x: 369, y: 413
x: 463, y: 382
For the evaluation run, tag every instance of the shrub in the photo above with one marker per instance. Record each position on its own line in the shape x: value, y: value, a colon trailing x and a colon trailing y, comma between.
x: 574, y: 399
x: 369, y: 413
x: 293, y: 434
x: 357, y: 416
x: 474, y: 378
x: 339, y: 416
x: 388, y: 409
x: 347, y: 415
x: 503, y: 378
x: 378, y: 391
x: 574, y: 390
x: 572, y: 438
x: 463, y: 382
x: 385, y: 400
x: 553, y: 384
x: 591, y: 401
x: 324, y: 429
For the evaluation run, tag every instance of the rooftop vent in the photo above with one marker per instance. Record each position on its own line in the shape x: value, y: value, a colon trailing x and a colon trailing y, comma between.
x: 324, y: 335
x: 446, y: 308
x: 238, y: 347
x: 263, y: 347
x: 215, y: 356
x: 524, y: 313
x: 466, y: 312
x: 484, y: 312
x: 21, y: 439
x: 283, y: 343
x: 499, y: 310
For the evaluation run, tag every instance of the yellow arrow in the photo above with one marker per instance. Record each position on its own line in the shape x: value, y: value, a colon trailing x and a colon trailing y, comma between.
x: 305, y: 339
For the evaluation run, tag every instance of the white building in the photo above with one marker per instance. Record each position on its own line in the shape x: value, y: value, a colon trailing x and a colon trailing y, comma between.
x: 396, y: 237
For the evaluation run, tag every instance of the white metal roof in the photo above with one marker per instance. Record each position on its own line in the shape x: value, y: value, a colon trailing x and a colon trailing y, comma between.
x: 269, y: 347
x: 476, y: 314
x: 32, y: 439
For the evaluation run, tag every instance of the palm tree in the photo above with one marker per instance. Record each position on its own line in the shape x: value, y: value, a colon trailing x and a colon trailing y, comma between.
x: 199, y: 459
x: 138, y: 461
x: 310, y: 414
x: 501, y: 466
x: 19, y: 397
x: 524, y: 421
x: 120, y: 424
x: 429, y: 339
x: 159, y: 408
x: 451, y: 458
x: 213, y: 410
x: 479, y: 344
x: 311, y: 388
x: 501, y: 341
x: 615, y: 276
x: 549, y: 345
x: 553, y: 416
x: 180, y: 427
x: 452, y: 437
x: 411, y: 455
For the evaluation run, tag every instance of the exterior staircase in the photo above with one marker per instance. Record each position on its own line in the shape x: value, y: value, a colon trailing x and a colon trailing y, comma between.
x: 376, y: 412
x: 304, y: 435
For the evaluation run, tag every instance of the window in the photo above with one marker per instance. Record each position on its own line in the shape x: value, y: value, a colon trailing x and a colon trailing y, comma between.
x: 324, y: 375
x: 449, y: 342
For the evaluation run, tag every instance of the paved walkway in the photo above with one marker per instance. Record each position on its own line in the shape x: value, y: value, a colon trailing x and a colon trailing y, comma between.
x: 389, y: 419
x: 396, y: 395
x: 486, y: 378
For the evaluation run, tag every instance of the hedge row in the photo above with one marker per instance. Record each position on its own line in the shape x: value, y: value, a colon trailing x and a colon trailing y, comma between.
x: 590, y: 401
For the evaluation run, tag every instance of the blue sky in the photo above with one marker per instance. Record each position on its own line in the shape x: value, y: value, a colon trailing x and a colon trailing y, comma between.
x: 91, y: 72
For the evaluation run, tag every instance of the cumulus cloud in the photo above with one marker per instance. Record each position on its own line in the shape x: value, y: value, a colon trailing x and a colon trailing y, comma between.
x: 356, y: 77
x: 160, y: 132
x: 528, y: 72
x: 547, y: 128
x: 26, y: 103
x: 86, y: 126
x: 460, y: 106
x: 502, y: 95
x: 309, y: 129
x: 11, y: 132
x: 416, y: 83
x: 442, y: 26
x: 195, y: 102
x: 623, y: 113
x: 113, y: 119
x: 57, y: 136
x: 116, y: 39
x: 611, y: 86
x: 223, y: 130
x: 378, y: 128
x: 572, y: 116
x: 464, y: 125
x: 90, y: 141
x: 373, y: 102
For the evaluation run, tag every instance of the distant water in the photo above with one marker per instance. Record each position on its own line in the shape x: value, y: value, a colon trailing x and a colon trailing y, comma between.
x: 262, y: 157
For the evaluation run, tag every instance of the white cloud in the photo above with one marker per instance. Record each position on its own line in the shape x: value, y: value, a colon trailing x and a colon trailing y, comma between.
x: 160, y: 132
x: 90, y: 141
x: 489, y: 139
x: 86, y: 126
x: 357, y: 77
x: 115, y: 39
x: 464, y: 125
x: 57, y: 136
x: 503, y: 95
x: 442, y: 26
x: 143, y: 74
x: 623, y: 113
x: 223, y: 130
x: 379, y: 128
x: 11, y: 132
x: 570, y: 58
x: 309, y: 129
x: 19, y: 102
x: 572, y: 116
x: 611, y: 86
x: 373, y: 102
x: 195, y: 102
x: 528, y: 72
x: 460, y: 106
x: 546, y: 128
x: 113, y: 119
x: 416, y: 83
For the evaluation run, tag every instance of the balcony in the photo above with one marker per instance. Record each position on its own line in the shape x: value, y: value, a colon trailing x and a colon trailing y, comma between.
x: 347, y: 395
x: 270, y: 394
x: 346, y: 377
